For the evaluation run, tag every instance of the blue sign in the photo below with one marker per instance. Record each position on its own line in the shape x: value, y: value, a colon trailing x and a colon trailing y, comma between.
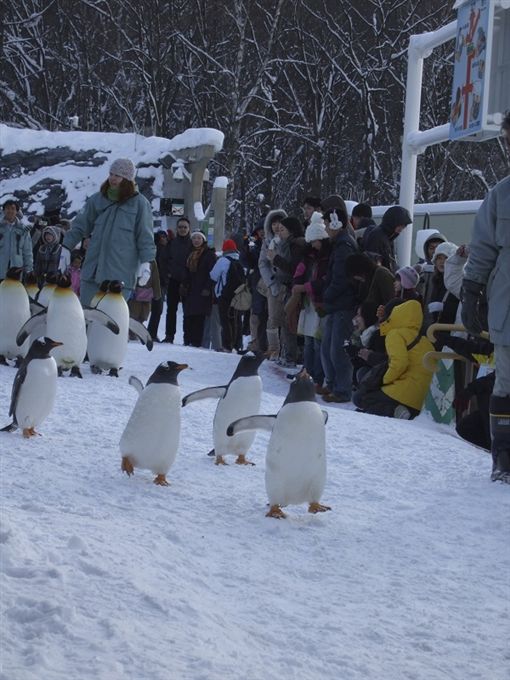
x: 468, y: 91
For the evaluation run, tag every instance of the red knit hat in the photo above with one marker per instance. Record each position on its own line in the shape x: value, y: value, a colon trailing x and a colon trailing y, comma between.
x: 229, y: 246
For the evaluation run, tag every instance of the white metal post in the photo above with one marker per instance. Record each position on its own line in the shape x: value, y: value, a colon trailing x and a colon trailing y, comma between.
x: 420, y: 46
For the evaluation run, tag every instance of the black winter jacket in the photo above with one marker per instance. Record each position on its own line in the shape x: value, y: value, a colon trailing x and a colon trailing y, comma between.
x: 339, y: 293
x: 176, y: 256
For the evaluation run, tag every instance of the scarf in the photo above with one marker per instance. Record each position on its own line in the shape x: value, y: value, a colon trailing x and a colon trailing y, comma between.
x: 113, y: 193
x: 194, y: 257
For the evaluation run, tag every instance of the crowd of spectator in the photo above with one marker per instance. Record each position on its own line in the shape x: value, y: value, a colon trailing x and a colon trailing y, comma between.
x: 326, y: 293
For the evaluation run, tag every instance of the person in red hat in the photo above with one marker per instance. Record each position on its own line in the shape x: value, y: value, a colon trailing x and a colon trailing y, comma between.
x: 228, y: 274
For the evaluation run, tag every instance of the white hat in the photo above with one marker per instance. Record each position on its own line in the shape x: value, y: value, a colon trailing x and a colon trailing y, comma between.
x: 197, y: 232
x: 316, y: 230
x: 123, y: 167
x: 448, y: 249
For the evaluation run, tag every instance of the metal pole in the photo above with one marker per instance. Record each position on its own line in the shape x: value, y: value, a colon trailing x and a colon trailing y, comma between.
x: 420, y: 46
x: 411, y: 124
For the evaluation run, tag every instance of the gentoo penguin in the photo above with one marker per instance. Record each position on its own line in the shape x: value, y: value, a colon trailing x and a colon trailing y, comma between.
x: 151, y: 437
x: 296, y: 452
x: 65, y: 319
x: 105, y: 350
x: 241, y: 397
x: 34, y: 387
x: 14, y: 312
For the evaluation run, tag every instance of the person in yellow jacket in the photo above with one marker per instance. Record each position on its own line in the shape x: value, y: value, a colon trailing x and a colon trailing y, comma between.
x: 406, y: 381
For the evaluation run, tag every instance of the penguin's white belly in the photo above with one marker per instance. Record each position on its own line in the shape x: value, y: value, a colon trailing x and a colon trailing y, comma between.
x: 66, y: 323
x: 45, y: 295
x: 105, y: 349
x: 242, y: 399
x: 151, y: 436
x: 296, y: 455
x: 36, y: 396
x: 14, y: 312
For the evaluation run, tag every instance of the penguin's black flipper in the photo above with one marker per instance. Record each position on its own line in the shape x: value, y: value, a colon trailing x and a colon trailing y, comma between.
x: 93, y: 314
x: 251, y: 423
x: 136, y: 383
x: 206, y: 393
x: 9, y: 428
x: 36, y: 325
x: 19, y: 379
x: 141, y: 333
x: 326, y: 416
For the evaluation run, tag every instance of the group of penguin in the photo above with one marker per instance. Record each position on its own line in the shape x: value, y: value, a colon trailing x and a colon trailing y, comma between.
x: 99, y: 331
x: 296, y: 454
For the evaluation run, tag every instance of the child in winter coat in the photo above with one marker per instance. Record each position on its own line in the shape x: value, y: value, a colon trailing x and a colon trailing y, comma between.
x: 227, y: 275
x: 74, y: 271
x: 406, y: 381
x: 406, y: 281
x: 48, y: 255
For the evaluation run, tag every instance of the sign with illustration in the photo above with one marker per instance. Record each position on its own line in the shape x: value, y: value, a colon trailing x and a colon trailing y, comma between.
x: 469, y: 81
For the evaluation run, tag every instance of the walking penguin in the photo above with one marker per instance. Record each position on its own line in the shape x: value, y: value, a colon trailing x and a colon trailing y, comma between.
x: 34, y: 388
x: 241, y: 397
x: 151, y: 437
x: 296, y: 452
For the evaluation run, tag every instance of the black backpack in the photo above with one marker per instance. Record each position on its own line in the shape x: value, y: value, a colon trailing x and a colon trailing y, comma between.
x: 236, y: 276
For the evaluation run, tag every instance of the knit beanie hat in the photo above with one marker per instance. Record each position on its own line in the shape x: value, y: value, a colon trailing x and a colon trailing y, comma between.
x: 53, y: 231
x: 445, y: 248
x: 123, y: 167
x: 408, y: 277
x: 197, y: 232
x: 293, y: 225
x: 229, y: 246
x: 316, y: 231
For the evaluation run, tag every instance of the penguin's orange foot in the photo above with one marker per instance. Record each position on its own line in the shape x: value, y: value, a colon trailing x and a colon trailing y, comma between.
x: 160, y: 480
x: 317, y: 507
x: 127, y: 466
x: 30, y: 432
x: 241, y: 460
x: 276, y: 512
x: 220, y: 461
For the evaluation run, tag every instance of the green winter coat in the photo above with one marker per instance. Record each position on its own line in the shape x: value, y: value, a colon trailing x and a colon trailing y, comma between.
x: 121, y: 237
x: 15, y: 247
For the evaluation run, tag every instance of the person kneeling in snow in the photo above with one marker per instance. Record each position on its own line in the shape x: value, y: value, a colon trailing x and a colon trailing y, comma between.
x: 405, y: 383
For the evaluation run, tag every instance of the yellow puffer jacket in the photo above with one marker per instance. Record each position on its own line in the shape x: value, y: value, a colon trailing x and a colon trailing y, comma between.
x: 406, y: 380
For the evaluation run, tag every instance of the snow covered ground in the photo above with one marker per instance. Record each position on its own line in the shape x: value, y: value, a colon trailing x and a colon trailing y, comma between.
x: 105, y: 577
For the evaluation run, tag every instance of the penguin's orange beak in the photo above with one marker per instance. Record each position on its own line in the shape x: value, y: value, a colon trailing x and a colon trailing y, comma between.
x: 181, y: 367
x: 56, y: 343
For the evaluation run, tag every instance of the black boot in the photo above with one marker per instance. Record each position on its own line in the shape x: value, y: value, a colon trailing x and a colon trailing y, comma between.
x: 500, y: 433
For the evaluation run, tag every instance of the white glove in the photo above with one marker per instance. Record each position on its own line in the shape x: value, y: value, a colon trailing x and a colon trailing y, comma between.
x: 65, y: 260
x: 435, y: 307
x: 144, y: 273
